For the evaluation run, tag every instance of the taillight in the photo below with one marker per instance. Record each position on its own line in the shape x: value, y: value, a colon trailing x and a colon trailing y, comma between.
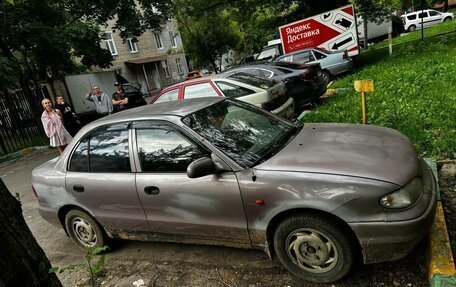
x: 345, y: 56
x: 34, y: 192
x: 311, y: 72
x: 304, y: 75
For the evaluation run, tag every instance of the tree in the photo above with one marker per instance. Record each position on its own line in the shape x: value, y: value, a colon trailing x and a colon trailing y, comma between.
x: 207, y: 33
x: 373, y: 11
x: 23, y: 262
x: 44, y: 37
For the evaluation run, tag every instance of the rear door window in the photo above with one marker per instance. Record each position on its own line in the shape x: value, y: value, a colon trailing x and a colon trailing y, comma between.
x: 303, y: 57
x: 168, y: 96
x: 199, y: 91
x: 318, y: 55
x: 104, y: 150
x: 423, y: 15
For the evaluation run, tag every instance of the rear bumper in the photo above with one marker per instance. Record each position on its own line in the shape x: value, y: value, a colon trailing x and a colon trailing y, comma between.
x: 49, y: 213
x: 305, y: 92
x: 286, y: 110
x: 388, y: 241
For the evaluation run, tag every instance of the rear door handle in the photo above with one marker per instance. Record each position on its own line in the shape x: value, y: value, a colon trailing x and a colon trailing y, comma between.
x: 78, y: 188
x: 151, y: 190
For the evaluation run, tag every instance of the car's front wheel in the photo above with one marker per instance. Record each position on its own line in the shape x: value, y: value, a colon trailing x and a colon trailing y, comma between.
x: 412, y: 28
x: 447, y: 19
x: 314, y: 248
x: 84, y: 230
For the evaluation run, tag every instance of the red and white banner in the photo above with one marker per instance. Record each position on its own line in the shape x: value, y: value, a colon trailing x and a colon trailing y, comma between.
x: 332, y: 30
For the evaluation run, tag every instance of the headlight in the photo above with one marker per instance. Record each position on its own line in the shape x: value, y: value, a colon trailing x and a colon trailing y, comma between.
x: 405, y: 196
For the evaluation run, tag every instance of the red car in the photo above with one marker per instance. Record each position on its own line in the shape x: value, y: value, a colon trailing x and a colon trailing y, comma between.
x: 266, y: 93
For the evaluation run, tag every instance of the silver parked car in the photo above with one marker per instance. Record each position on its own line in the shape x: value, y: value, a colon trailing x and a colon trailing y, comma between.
x: 333, y: 63
x: 220, y: 171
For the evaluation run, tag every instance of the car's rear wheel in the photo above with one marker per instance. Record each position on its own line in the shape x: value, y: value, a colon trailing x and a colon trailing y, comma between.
x: 84, y: 230
x: 327, y: 76
x: 314, y: 248
x: 412, y: 28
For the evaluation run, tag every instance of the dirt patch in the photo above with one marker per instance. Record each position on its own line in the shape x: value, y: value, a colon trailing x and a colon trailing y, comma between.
x: 447, y: 181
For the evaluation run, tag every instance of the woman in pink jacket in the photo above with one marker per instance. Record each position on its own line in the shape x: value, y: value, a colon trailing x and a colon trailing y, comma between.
x: 53, y: 126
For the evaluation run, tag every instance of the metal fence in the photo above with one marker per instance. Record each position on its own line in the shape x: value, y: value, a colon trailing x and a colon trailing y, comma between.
x: 20, y: 124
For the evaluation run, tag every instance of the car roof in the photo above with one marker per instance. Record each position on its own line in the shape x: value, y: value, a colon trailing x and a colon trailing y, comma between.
x: 200, y: 79
x: 174, y: 108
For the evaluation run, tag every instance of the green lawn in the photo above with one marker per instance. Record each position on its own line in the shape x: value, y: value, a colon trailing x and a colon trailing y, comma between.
x: 415, y: 92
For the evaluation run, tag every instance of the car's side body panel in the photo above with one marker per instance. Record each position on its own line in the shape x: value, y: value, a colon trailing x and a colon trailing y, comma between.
x: 207, y: 208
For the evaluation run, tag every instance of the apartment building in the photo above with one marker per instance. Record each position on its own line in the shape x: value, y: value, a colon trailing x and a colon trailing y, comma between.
x: 155, y: 61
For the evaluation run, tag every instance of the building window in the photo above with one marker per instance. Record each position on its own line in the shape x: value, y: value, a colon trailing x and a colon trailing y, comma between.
x: 179, y: 67
x: 172, y: 38
x: 132, y: 45
x: 158, y: 40
x: 110, y: 43
x: 165, y: 68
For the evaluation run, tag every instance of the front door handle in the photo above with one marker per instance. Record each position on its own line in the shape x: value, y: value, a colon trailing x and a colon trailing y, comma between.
x: 151, y: 190
x: 78, y: 188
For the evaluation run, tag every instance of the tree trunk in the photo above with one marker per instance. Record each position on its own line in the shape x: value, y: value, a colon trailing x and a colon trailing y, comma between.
x: 22, y: 261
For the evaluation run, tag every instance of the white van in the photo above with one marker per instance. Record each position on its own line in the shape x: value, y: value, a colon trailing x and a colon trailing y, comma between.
x: 413, y: 20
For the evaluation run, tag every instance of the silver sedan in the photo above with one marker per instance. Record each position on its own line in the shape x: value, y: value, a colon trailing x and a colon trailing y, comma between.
x: 333, y: 63
x: 220, y: 171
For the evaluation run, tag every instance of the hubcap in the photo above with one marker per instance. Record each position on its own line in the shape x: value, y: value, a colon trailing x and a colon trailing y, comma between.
x: 84, y: 232
x: 311, y: 250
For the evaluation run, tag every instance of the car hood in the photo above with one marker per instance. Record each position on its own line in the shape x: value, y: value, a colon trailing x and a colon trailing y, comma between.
x: 352, y: 150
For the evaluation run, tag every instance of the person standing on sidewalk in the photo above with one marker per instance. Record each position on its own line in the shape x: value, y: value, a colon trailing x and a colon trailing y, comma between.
x: 103, y: 102
x: 53, y: 126
x: 119, y: 99
x: 70, y: 119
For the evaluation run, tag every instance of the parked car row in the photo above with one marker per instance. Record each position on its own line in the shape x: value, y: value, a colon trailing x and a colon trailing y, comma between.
x: 279, y: 87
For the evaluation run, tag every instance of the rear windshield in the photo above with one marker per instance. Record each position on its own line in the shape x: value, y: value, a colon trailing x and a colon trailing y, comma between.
x: 289, y: 65
x: 250, y: 79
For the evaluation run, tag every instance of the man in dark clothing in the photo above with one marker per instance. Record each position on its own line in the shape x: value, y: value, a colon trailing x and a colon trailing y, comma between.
x: 119, y: 99
x: 70, y: 120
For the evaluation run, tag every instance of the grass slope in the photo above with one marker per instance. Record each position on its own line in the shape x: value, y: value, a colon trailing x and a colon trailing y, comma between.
x: 415, y: 93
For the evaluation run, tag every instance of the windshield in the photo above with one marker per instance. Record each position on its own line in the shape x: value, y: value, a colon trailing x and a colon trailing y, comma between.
x: 247, y: 135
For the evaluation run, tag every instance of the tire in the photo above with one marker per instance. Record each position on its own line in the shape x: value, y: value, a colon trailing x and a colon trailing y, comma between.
x: 325, y: 251
x: 84, y: 230
x: 327, y: 76
x: 412, y: 28
x: 447, y: 19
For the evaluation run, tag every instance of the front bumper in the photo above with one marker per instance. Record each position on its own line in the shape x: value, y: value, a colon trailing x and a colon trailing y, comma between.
x: 389, y: 241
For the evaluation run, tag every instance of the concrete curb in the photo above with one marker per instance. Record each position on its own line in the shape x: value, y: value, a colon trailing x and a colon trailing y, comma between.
x: 21, y: 153
x: 441, y: 270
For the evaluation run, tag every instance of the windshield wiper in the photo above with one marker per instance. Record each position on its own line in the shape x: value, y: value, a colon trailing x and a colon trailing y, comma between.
x: 280, y: 143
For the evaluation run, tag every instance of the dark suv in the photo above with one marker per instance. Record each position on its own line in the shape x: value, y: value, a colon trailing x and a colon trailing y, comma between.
x: 135, y: 97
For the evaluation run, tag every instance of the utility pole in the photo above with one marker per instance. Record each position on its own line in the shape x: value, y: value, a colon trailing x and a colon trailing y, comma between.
x: 422, y: 17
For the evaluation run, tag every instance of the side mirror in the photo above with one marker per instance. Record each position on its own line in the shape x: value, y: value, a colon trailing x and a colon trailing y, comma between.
x: 201, y: 167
